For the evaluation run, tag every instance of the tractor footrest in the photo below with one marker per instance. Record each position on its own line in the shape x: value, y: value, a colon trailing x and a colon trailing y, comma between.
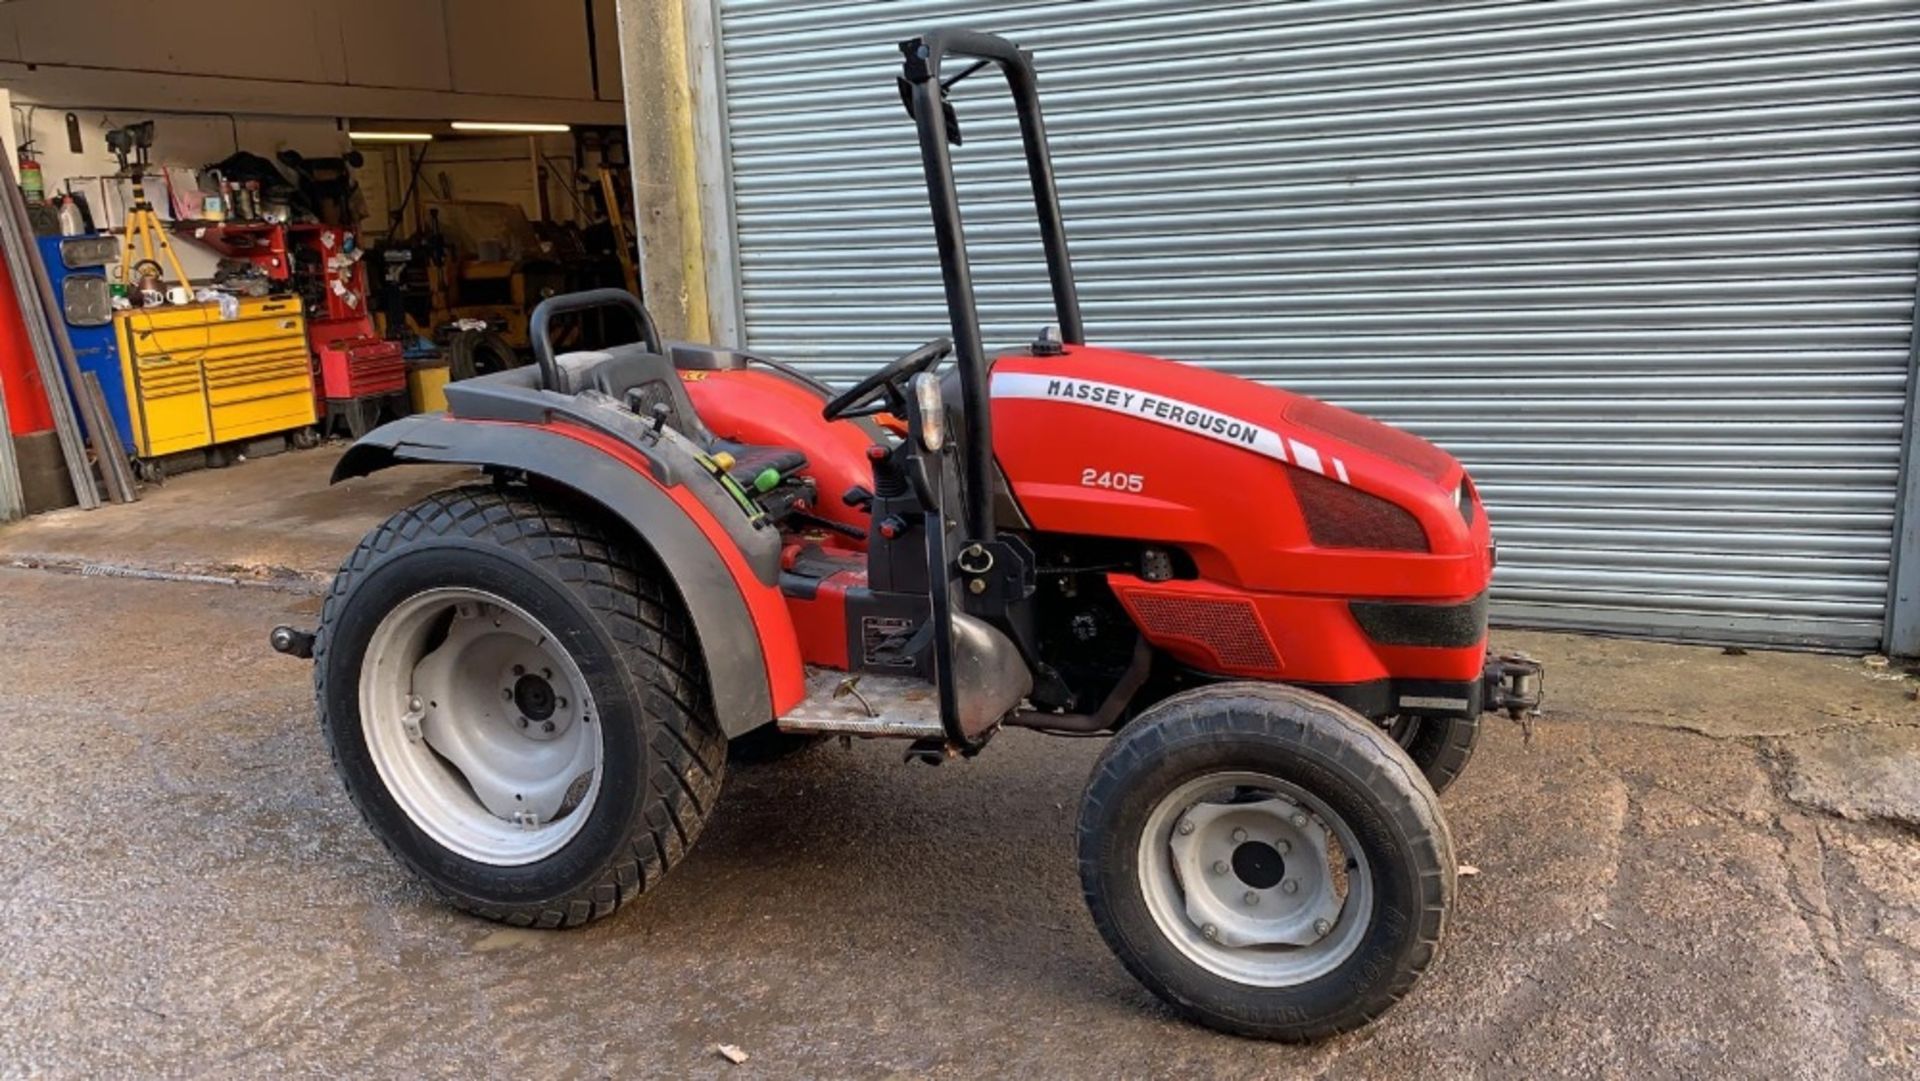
x: 867, y: 705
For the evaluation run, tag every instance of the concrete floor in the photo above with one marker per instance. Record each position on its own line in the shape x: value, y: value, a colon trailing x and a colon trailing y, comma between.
x: 1701, y: 864
x: 270, y: 519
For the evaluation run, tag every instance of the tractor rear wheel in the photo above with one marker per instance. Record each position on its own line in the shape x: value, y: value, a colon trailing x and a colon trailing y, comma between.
x: 516, y: 704
x: 1266, y: 861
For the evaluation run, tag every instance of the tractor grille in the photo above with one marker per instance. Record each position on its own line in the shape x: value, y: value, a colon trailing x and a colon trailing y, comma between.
x: 1226, y: 627
x: 1448, y: 626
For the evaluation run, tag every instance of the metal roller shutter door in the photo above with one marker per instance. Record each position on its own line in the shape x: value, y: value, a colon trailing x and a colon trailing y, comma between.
x: 1647, y: 268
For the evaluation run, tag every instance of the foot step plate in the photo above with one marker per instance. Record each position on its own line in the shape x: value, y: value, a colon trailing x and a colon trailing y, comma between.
x: 867, y: 705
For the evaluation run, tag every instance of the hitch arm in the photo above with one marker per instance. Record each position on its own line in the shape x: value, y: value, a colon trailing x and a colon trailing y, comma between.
x: 294, y: 643
x: 1512, y: 682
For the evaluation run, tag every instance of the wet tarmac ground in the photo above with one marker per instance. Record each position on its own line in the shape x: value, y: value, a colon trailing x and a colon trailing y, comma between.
x: 1700, y: 864
x: 185, y: 891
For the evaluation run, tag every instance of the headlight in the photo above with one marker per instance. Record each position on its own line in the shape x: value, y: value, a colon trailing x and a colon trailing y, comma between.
x: 1463, y: 499
x: 932, y: 410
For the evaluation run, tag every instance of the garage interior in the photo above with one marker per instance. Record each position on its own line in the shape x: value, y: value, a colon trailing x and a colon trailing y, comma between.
x: 1647, y: 269
x: 340, y: 222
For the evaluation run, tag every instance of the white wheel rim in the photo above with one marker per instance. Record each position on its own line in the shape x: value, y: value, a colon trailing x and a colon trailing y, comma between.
x: 1254, y: 879
x: 480, y: 726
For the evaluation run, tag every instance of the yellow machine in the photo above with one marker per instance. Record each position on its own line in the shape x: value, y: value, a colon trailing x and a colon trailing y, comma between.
x: 493, y: 268
x: 196, y: 380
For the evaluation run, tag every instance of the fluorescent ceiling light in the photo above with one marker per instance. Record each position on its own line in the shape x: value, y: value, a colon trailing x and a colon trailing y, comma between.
x: 390, y: 136
x: 491, y: 125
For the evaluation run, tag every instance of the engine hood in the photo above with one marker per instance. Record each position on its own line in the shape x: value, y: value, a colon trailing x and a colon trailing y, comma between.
x: 1101, y: 442
x: 1269, y: 421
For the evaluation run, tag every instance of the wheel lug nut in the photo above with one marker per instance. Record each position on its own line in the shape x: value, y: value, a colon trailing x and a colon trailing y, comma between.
x: 523, y: 722
x: 561, y: 702
x: 548, y: 727
x: 1239, y: 836
x: 519, y: 669
x: 506, y: 693
x: 1210, y: 932
x: 546, y: 673
x: 1290, y: 886
x: 1219, y: 867
x: 1299, y: 820
x: 1251, y: 898
x: 1283, y: 846
x: 1321, y: 927
x: 1186, y: 827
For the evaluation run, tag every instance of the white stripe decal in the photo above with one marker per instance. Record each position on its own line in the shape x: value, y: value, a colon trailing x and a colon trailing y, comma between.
x: 1159, y: 409
x: 1306, y: 456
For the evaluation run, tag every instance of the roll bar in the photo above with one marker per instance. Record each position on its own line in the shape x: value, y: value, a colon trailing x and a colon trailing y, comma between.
x: 926, y: 98
x: 540, y: 326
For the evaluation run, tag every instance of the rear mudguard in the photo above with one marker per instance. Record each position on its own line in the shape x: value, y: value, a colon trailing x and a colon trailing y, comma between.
x: 751, y: 651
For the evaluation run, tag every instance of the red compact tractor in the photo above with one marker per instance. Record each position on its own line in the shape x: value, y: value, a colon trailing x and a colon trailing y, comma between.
x: 1276, y: 608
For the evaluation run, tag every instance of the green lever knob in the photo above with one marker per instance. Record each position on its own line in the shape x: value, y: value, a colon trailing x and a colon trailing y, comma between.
x: 766, y: 480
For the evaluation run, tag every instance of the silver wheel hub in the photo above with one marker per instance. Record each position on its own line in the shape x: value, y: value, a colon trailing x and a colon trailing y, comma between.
x: 480, y: 725
x: 541, y: 712
x: 1256, y: 872
x: 1254, y: 878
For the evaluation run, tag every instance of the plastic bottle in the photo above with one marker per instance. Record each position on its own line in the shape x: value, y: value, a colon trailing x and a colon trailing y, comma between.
x: 71, y: 223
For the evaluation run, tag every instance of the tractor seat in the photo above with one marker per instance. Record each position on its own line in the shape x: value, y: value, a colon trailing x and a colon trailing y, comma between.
x: 641, y: 379
x: 644, y: 380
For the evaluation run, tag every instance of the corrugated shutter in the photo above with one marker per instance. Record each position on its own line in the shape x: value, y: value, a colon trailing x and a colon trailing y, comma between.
x: 1647, y: 268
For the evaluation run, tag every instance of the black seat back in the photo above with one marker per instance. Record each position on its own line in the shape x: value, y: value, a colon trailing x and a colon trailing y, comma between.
x: 638, y: 376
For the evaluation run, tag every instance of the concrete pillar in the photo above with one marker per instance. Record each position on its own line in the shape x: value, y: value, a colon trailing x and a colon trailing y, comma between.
x: 658, y: 88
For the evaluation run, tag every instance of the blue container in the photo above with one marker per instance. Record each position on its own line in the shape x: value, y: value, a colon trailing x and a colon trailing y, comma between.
x: 78, y: 266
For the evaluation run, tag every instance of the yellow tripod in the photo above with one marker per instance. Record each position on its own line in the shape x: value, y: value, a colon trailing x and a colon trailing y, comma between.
x: 130, y: 144
x: 143, y: 225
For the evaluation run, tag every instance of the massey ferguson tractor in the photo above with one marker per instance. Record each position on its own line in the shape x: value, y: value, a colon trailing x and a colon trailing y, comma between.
x: 1275, y: 608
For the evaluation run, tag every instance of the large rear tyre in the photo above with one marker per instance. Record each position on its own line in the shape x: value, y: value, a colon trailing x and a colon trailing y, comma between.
x: 516, y: 705
x: 1267, y: 862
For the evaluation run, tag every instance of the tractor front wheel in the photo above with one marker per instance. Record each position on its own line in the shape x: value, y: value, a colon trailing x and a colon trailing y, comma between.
x: 1440, y: 746
x: 1268, y: 862
x: 516, y: 704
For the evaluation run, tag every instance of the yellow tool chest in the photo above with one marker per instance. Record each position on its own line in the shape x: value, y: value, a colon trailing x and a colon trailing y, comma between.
x: 195, y: 379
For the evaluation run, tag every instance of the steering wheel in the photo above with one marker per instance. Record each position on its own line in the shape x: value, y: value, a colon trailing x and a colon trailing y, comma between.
x: 860, y: 401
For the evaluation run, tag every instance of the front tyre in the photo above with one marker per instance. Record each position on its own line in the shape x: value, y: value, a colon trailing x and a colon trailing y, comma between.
x: 1440, y: 746
x: 1267, y: 862
x: 516, y: 706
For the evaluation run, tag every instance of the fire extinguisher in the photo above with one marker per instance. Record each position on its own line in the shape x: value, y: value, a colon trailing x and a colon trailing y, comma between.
x: 33, y: 186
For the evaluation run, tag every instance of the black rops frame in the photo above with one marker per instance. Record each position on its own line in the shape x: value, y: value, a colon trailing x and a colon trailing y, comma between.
x: 926, y: 100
